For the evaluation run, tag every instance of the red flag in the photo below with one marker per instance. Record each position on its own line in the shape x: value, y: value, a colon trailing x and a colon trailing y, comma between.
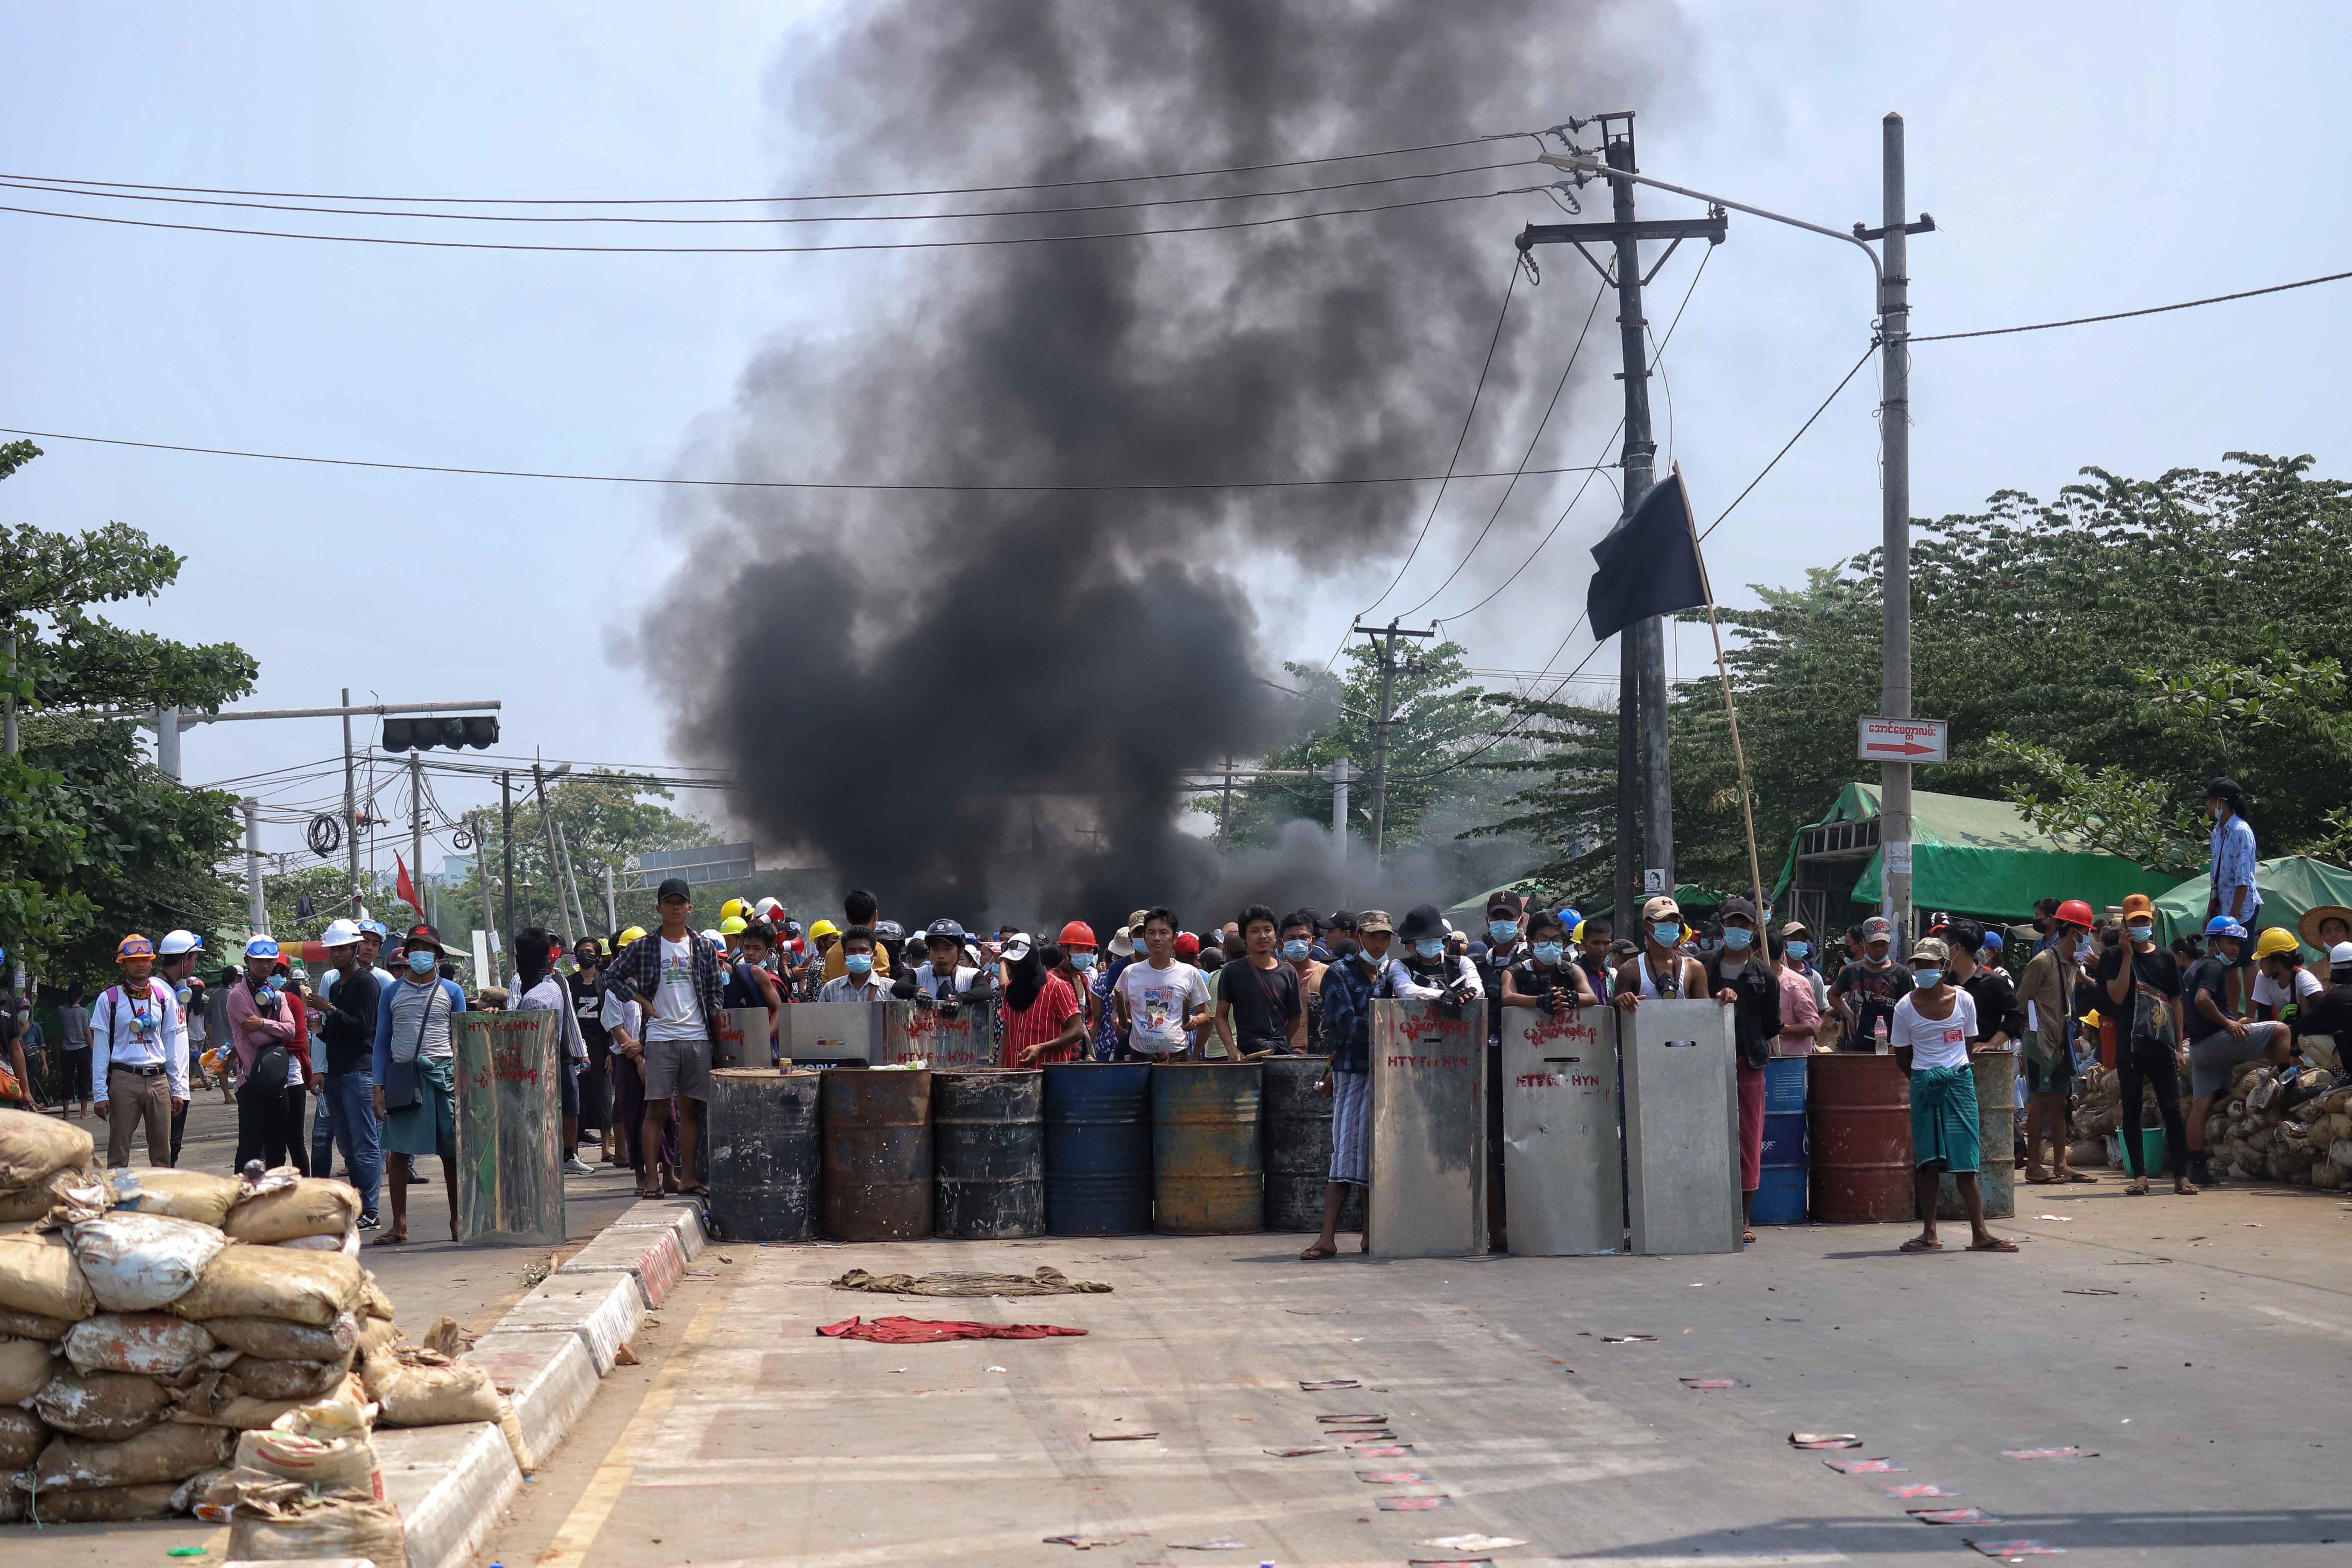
x: 402, y: 888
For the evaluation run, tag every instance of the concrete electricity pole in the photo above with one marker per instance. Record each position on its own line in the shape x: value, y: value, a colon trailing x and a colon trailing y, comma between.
x: 506, y: 845
x: 1895, y: 436
x: 350, y: 812
x: 554, y: 861
x: 1384, y: 639
x: 257, y: 912
x: 416, y: 830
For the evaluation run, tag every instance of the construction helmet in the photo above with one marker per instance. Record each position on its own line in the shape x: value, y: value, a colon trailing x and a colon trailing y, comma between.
x: 2075, y: 912
x: 732, y: 908
x: 134, y: 946
x: 1077, y: 933
x: 733, y: 925
x: 2276, y: 941
x: 824, y: 928
x: 177, y: 943
x: 766, y: 907
x: 635, y: 933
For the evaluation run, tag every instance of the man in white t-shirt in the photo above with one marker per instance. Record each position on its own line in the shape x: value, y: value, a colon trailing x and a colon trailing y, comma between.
x: 1160, y: 1001
x: 1929, y: 1035
x: 675, y: 976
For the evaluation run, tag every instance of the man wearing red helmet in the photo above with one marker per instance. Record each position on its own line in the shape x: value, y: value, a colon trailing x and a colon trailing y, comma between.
x: 2047, y: 990
x: 1077, y: 971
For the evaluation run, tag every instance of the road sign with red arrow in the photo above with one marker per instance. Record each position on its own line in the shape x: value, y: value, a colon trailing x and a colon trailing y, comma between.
x: 1919, y: 741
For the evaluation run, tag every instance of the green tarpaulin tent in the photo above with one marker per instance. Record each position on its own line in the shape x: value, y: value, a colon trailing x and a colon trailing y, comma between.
x: 1982, y: 857
x: 2289, y: 886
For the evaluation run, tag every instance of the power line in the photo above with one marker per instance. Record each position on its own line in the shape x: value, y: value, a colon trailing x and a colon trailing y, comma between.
x: 828, y: 197
x: 1792, y: 440
x: 7, y: 183
x: 756, y: 484
x: 759, y: 249
x: 2125, y: 315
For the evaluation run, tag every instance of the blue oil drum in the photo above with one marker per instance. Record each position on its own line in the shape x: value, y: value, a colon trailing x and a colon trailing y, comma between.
x: 1097, y: 1148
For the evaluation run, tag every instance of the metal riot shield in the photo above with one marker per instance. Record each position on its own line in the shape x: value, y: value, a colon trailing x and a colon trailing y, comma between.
x: 509, y: 1069
x: 1561, y: 1164
x: 939, y: 1040
x: 743, y: 1039
x: 1682, y: 1127
x: 1428, y: 1130
x: 830, y: 1031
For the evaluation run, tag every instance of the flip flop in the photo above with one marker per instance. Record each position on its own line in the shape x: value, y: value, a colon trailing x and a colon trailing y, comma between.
x: 390, y: 1238
x: 1318, y: 1250
x: 1995, y: 1245
x: 2078, y: 1176
x: 1921, y: 1244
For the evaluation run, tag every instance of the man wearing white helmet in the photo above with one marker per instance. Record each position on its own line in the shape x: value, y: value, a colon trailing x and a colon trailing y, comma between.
x: 347, y: 1092
x: 175, y: 966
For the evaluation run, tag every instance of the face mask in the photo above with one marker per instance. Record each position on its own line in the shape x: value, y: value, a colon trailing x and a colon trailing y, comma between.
x: 1926, y: 979
x: 858, y: 963
x: 1429, y: 949
x: 1668, y: 933
x: 421, y: 962
x: 1737, y: 939
x: 1799, y: 950
x: 1296, y: 950
x: 1547, y: 953
x: 2140, y: 932
x: 1503, y: 931
x: 1082, y: 961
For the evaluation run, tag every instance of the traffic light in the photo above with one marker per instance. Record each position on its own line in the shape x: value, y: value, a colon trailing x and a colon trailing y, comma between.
x: 477, y: 730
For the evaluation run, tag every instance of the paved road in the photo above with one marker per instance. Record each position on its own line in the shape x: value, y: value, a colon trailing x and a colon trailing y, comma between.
x: 2197, y: 1345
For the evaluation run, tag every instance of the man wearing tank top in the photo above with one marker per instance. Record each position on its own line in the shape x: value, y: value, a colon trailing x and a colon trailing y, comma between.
x: 1659, y: 969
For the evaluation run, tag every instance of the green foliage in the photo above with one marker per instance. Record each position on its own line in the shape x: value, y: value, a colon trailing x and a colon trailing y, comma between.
x: 608, y: 818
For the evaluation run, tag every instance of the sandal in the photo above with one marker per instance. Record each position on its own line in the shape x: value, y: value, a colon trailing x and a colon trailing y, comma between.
x: 1994, y: 1243
x: 1921, y: 1244
x: 390, y: 1238
x: 1318, y: 1249
x: 645, y: 1190
x: 2077, y: 1176
x: 2137, y: 1188
x: 2181, y: 1188
x: 1746, y: 1238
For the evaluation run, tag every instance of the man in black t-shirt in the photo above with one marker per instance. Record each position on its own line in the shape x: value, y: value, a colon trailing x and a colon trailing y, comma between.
x: 1259, y: 1004
x: 2145, y: 1000
x: 2218, y: 1039
x: 2000, y: 1022
x: 1868, y: 989
x: 587, y: 988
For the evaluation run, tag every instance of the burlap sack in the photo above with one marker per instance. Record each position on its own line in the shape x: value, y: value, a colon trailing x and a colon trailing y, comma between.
x: 412, y: 1386
x: 345, y: 1463
x: 153, y: 1344
x: 39, y: 1274
x: 32, y: 1147
x: 25, y: 1367
x: 263, y: 1378
x: 167, y: 1451
x: 183, y: 1194
x: 217, y: 1399
x: 105, y: 1407
x: 275, y: 1339
x: 33, y: 1325
x: 248, y: 1281
x: 333, y: 1526
x: 309, y: 1206
x: 378, y: 1305
x: 23, y: 1435
x: 378, y: 1335
x: 35, y: 1201
x: 140, y: 1262
x: 103, y: 1505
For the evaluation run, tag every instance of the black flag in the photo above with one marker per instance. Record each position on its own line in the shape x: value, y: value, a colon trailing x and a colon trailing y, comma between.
x: 302, y: 908
x: 1648, y: 564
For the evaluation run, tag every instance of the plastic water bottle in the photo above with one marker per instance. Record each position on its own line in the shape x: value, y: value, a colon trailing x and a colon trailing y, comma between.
x: 1878, y: 1035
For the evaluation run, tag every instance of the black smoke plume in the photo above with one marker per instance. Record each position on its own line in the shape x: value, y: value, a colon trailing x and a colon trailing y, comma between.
x: 981, y: 703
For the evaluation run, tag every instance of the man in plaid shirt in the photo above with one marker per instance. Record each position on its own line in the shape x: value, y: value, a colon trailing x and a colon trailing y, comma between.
x: 675, y: 976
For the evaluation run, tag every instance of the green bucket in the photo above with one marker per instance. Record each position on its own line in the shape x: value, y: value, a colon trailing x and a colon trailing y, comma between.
x: 2151, y: 1151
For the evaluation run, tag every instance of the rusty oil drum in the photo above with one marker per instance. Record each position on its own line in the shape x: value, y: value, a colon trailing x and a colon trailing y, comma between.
x: 1208, y: 1168
x: 1298, y: 1144
x: 767, y: 1161
x: 988, y: 1153
x: 1858, y: 1112
x: 877, y: 1154
x: 1996, y: 1077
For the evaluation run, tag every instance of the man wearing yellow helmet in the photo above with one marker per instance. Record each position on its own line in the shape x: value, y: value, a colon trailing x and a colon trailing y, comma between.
x: 733, y: 908
x: 2282, y: 987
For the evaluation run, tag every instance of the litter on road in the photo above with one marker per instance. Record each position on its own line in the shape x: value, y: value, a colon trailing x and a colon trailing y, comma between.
x: 2014, y: 1548
x: 1712, y: 1383
x: 1328, y: 1384
x: 1297, y: 1453
x: 2046, y: 1454
x: 1865, y: 1466
x: 1471, y: 1543
x: 1953, y: 1516
x: 1916, y: 1489
x: 1038, y: 1282
x: 1120, y: 1436
x: 938, y: 1331
x: 1824, y: 1440
x: 1414, y: 1504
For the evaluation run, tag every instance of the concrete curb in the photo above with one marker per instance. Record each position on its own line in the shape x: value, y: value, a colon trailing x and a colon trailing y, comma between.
x: 546, y: 1355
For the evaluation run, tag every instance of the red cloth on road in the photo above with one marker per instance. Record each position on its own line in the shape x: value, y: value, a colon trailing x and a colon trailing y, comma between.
x: 936, y: 1331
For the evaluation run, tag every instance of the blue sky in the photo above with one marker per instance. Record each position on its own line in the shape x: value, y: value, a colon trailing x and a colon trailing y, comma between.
x: 2077, y: 159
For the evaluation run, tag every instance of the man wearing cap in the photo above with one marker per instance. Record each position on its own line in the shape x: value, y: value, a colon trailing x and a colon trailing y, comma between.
x: 1360, y: 968
x: 1659, y: 969
x: 1041, y: 1020
x: 139, y: 1057
x: 1868, y: 989
x: 2051, y: 979
x: 2139, y: 983
x: 2218, y: 1039
x: 176, y: 966
x: 1929, y: 1036
x: 674, y: 975
x: 413, y: 1064
x: 352, y: 994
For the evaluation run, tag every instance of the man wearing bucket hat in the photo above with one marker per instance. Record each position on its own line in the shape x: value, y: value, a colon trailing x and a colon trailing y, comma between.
x: 2322, y: 927
x: 139, y: 1057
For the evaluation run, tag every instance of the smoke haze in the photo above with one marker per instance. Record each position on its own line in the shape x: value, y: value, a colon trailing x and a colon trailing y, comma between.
x: 980, y: 703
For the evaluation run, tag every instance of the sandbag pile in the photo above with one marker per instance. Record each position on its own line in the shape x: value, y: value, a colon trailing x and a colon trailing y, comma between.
x: 2099, y: 1113
x: 168, y: 1337
x: 2293, y: 1127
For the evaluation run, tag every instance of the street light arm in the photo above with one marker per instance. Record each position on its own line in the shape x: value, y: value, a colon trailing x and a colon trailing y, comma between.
x: 1597, y: 170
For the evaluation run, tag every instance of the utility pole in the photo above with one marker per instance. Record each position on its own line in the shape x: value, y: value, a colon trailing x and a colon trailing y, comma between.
x: 1384, y: 639
x: 571, y: 882
x: 506, y: 845
x: 167, y: 740
x: 1645, y: 813
x: 416, y: 830
x: 612, y: 910
x: 482, y: 876
x: 351, y: 810
x: 554, y: 861
x: 1225, y: 811
x: 257, y: 912
x: 1894, y: 434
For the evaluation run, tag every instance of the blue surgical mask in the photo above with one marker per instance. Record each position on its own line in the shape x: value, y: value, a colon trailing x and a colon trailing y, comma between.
x: 1429, y: 947
x: 1800, y: 950
x: 1926, y: 979
x: 1667, y: 933
x: 1503, y: 931
x: 1082, y: 961
x: 1737, y: 939
x: 858, y: 963
x: 423, y: 960
x: 2140, y: 932
x: 1547, y: 953
x: 1296, y: 950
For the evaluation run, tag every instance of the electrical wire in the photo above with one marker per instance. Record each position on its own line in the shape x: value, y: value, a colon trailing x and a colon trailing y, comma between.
x: 8, y: 183
x: 827, y: 196
x: 758, y: 484
x: 1541, y: 426
x: 2125, y: 315
x: 1792, y: 440
x: 759, y: 250
x: 1469, y: 417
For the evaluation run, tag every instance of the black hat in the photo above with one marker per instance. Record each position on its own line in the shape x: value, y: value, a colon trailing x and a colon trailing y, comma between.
x: 673, y: 887
x: 1421, y: 920
x: 421, y: 936
x: 1341, y: 920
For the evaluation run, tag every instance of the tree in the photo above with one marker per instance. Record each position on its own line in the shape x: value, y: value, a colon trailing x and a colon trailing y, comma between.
x: 608, y: 818
x: 94, y: 841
